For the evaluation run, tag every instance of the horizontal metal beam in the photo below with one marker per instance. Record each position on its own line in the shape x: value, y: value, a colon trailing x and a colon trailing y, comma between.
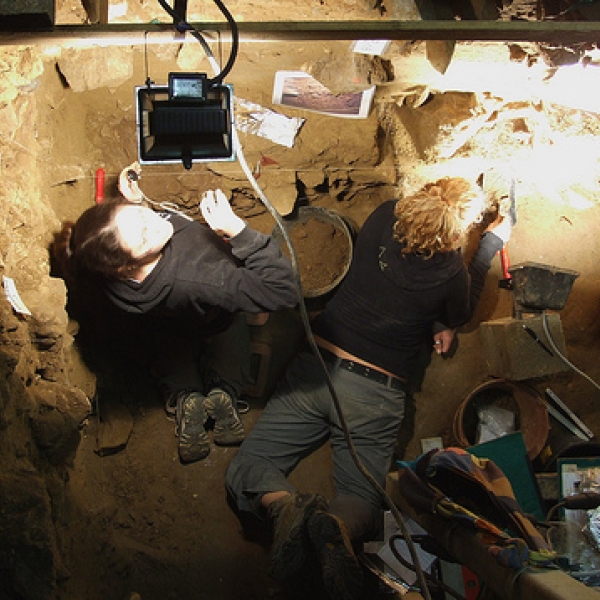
x: 556, y: 32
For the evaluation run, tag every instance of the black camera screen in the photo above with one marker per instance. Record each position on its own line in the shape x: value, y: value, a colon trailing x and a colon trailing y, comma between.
x: 183, y: 86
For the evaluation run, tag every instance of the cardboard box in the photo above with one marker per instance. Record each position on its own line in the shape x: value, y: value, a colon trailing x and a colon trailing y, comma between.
x: 512, y: 353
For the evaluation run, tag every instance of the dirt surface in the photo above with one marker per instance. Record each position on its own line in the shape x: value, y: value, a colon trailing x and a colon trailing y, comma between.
x: 146, y: 524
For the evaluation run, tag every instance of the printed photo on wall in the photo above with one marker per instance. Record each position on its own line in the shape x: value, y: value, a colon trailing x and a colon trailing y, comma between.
x: 297, y: 89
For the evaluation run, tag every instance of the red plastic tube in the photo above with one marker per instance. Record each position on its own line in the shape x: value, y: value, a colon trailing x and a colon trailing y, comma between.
x: 100, y: 176
x: 505, y: 263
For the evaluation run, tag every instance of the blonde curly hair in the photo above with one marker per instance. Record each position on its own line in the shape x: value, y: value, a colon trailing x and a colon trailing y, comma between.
x: 435, y: 218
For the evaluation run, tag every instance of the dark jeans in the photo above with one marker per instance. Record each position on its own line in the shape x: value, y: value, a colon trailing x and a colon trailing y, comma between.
x: 300, y: 418
x: 190, y: 363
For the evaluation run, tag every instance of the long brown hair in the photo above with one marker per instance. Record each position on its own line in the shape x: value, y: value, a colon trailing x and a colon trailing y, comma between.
x: 92, y: 243
x: 436, y: 217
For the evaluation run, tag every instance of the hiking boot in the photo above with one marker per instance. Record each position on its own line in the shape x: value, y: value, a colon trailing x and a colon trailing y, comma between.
x: 228, y: 428
x: 190, y: 417
x: 290, y: 539
x: 342, y: 573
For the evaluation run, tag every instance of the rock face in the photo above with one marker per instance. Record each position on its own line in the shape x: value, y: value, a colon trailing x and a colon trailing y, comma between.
x: 67, y: 115
x: 30, y: 556
x: 45, y: 387
x: 41, y: 411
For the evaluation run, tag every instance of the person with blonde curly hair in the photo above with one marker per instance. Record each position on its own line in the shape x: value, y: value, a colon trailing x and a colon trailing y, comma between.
x: 436, y: 218
x: 407, y: 288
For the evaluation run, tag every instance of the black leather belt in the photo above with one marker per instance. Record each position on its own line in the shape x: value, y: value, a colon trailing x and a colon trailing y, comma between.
x: 367, y: 372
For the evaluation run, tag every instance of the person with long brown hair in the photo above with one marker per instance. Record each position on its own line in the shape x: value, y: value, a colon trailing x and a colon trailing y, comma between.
x: 407, y: 288
x: 180, y: 289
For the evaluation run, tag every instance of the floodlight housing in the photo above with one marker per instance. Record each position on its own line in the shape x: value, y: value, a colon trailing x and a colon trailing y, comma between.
x: 190, y: 120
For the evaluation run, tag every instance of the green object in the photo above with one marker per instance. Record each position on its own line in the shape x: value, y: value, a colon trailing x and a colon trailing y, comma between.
x: 510, y: 455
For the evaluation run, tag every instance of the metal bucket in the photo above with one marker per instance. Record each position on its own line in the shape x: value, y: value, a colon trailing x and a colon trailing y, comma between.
x: 529, y: 408
x: 335, y: 268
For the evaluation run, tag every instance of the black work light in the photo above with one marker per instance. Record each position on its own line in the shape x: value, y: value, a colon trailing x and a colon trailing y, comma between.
x: 190, y: 120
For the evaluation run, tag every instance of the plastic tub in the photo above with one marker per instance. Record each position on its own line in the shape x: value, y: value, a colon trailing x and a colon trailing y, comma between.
x: 540, y: 286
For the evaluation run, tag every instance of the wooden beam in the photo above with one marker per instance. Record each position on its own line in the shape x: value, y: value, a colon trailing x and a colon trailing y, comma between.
x: 96, y: 10
x: 103, y: 11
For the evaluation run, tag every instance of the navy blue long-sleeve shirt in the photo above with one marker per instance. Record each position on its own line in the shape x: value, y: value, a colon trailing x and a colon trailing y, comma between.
x: 387, y: 305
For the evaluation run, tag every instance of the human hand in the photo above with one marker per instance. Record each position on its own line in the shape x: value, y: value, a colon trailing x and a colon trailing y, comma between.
x: 442, y: 340
x: 502, y: 227
x: 128, y: 183
x: 219, y: 215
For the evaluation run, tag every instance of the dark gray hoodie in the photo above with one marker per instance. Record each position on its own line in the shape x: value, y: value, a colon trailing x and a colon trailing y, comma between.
x: 201, y: 279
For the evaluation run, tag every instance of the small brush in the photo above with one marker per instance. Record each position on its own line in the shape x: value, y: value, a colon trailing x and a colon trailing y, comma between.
x: 508, y: 205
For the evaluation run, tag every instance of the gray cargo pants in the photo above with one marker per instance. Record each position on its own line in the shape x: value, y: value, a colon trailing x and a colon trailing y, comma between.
x: 299, y: 418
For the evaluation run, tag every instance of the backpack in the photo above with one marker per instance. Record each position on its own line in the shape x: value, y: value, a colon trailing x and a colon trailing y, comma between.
x: 475, y: 493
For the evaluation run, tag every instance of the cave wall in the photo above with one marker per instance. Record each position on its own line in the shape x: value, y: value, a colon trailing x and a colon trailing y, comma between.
x: 63, y: 114
x: 41, y: 411
x: 67, y: 112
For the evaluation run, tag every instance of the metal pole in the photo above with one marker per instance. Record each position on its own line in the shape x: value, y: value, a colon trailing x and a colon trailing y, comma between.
x: 558, y: 32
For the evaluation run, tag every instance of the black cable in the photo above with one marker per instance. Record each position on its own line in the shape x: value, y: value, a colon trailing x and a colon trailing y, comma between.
x: 234, y: 41
x: 553, y: 510
x: 146, y: 67
x: 182, y: 25
x: 431, y: 578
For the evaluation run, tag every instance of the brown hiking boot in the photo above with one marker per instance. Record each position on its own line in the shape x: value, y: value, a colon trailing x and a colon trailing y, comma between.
x: 191, y: 417
x: 228, y: 429
x: 290, y: 539
x: 342, y: 573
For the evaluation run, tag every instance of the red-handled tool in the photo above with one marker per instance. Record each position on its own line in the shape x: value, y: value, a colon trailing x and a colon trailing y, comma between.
x: 506, y: 281
x: 505, y: 262
x: 100, y: 177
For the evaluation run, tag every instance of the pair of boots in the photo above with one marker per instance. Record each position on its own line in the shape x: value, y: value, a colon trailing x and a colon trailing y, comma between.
x: 304, y: 525
x: 193, y: 410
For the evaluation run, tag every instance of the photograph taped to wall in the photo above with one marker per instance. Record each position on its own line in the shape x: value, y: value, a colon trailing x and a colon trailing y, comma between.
x: 297, y: 89
x: 370, y: 47
x: 576, y: 476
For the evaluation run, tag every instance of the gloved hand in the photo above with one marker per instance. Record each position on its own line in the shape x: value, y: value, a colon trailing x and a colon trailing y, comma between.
x: 219, y: 215
x: 502, y: 227
x: 128, y: 184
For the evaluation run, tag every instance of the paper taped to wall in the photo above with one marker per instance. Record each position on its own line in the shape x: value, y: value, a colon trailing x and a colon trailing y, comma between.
x: 255, y: 119
x: 12, y: 295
